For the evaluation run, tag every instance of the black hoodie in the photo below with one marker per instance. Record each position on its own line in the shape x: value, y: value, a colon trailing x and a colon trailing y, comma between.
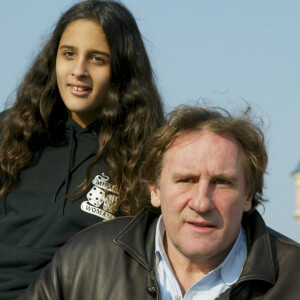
x: 36, y: 218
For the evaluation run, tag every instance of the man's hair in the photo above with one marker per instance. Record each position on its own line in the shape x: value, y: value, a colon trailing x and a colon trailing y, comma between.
x: 188, y: 119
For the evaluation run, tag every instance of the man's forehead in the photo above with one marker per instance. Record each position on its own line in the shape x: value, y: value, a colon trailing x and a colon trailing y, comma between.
x: 192, y: 144
x: 190, y: 137
x: 185, y: 138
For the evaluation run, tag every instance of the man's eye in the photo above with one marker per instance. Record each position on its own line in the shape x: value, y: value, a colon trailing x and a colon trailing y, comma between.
x: 186, y: 180
x: 221, y: 181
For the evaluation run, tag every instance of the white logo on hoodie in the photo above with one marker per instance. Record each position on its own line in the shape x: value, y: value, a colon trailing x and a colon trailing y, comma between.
x: 101, y: 198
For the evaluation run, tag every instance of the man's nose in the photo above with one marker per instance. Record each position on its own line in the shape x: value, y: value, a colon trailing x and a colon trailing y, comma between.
x: 201, y: 197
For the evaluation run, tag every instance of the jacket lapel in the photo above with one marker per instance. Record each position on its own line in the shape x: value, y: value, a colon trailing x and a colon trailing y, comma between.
x: 259, y: 264
x: 138, y: 238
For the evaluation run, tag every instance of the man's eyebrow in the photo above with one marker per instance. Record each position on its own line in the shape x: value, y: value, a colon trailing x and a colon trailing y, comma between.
x: 225, y: 176
x: 94, y: 51
x: 180, y: 175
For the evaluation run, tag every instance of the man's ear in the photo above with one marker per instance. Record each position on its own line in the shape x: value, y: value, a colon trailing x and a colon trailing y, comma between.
x: 248, y: 203
x: 155, y: 197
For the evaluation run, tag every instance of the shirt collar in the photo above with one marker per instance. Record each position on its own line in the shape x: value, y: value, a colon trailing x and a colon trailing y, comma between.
x: 159, y: 246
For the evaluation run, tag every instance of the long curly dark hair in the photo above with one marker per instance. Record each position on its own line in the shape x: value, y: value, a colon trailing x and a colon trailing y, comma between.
x: 132, y: 112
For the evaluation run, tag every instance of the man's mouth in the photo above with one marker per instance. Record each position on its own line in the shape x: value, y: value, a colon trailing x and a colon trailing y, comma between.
x: 201, y: 224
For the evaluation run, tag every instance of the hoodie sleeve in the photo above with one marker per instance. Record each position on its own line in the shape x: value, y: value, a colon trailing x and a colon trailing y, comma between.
x: 48, y: 285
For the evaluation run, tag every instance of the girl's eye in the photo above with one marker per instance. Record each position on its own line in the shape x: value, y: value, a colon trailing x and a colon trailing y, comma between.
x: 98, y: 59
x: 69, y: 54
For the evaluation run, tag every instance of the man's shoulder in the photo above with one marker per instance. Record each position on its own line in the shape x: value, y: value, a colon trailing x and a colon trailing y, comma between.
x: 92, y: 243
x: 257, y: 227
x: 102, y: 240
x: 281, y: 240
x: 282, y: 250
x: 102, y: 232
x: 107, y: 232
x: 286, y: 251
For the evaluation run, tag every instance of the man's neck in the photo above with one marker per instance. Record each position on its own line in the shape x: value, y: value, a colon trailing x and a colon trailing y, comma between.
x: 187, y: 275
x: 189, y: 271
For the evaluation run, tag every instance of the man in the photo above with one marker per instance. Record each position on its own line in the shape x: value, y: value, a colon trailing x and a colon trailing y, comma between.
x: 205, y: 172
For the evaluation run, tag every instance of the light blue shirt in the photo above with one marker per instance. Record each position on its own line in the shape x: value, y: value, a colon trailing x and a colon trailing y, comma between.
x: 208, y: 287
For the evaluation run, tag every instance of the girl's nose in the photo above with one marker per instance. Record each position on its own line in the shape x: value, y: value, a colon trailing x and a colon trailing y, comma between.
x: 80, y: 69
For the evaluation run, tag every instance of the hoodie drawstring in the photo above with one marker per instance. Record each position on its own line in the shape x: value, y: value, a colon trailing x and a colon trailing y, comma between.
x: 67, y: 180
x: 70, y: 168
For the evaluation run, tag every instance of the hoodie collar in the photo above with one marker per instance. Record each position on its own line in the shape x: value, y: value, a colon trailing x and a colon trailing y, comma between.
x: 94, y: 127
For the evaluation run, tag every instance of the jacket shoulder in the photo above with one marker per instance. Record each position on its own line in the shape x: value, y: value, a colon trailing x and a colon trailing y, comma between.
x: 92, y: 264
x: 99, y: 233
x: 286, y: 253
x: 282, y: 240
x: 90, y: 248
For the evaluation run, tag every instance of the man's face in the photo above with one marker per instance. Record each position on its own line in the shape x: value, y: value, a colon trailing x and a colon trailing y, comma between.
x: 202, y: 195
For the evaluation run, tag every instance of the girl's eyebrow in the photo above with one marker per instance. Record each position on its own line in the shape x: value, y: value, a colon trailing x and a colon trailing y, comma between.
x: 91, y: 51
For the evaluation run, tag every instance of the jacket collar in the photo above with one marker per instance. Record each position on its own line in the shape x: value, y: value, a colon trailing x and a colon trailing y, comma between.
x: 259, y: 264
x: 138, y: 239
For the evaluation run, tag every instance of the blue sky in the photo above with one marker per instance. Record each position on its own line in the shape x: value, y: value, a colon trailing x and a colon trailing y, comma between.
x: 226, y: 53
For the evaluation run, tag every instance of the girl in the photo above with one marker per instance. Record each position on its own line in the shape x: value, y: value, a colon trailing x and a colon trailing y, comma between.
x: 71, y: 145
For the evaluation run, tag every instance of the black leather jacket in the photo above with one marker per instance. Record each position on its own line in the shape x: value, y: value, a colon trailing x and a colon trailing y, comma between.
x: 114, y: 260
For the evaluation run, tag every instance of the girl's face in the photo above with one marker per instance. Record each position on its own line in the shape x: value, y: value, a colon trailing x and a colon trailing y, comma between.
x: 83, y: 70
